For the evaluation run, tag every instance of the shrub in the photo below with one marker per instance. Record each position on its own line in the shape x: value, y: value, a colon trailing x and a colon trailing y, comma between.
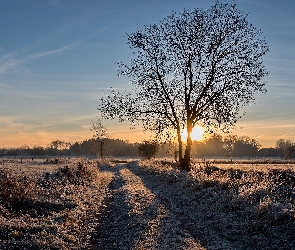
x: 148, y: 149
x: 15, y: 191
x: 82, y: 173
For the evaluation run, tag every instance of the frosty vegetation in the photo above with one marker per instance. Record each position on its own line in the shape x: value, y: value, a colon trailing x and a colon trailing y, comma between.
x: 49, y: 206
x: 79, y: 204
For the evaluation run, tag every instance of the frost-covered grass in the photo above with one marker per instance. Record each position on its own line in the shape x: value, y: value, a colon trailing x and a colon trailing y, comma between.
x: 137, y: 219
x: 146, y: 205
x: 242, y: 209
x: 50, y: 206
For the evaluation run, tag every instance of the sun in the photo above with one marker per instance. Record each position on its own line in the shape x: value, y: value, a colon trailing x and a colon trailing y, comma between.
x: 196, y: 134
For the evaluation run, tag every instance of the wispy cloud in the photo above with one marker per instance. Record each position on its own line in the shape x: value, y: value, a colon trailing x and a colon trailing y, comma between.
x: 288, y: 134
x: 52, y: 52
x: 58, y: 4
x: 284, y: 124
x: 24, y: 129
x: 14, y: 123
x: 8, y: 62
x: 11, y: 61
x: 31, y: 123
x: 11, y: 91
x: 79, y: 118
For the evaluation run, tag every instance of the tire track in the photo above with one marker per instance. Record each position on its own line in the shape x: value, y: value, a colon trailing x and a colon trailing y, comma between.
x: 135, y: 218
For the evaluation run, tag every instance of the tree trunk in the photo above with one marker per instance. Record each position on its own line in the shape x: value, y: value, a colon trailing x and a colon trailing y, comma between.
x: 187, y: 154
x: 101, y: 149
x: 180, y: 159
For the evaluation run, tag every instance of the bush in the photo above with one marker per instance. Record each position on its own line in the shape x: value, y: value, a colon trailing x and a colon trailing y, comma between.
x: 15, y: 191
x: 82, y: 174
x: 148, y: 149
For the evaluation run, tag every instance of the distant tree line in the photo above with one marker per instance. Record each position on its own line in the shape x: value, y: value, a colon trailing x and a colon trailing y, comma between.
x: 89, y: 147
x: 243, y: 146
x: 285, y: 148
x: 215, y: 146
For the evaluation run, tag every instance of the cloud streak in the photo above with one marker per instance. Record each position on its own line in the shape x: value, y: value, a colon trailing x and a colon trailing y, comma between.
x: 53, y: 52
x: 11, y: 61
x: 8, y: 62
x: 57, y: 3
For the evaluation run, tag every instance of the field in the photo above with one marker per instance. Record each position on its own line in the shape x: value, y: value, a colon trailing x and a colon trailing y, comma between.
x: 85, y: 204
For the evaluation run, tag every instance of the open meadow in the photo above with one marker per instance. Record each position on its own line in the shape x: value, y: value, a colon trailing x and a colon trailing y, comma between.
x: 88, y: 204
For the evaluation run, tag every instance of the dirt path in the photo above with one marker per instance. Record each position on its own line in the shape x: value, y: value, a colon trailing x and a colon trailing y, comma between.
x: 134, y: 217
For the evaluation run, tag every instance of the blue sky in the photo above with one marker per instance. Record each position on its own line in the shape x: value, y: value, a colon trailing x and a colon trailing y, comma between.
x: 57, y: 57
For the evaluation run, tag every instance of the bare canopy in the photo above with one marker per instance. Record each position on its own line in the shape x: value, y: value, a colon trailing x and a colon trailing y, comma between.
x: 196, y: 67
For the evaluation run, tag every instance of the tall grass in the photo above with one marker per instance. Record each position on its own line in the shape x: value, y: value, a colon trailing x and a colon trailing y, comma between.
x: 54, y: 210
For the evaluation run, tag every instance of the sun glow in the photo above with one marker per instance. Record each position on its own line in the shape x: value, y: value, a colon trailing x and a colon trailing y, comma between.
x: 196, y: 134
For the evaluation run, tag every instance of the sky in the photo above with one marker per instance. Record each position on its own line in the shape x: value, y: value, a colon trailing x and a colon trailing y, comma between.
x: 58, y: 57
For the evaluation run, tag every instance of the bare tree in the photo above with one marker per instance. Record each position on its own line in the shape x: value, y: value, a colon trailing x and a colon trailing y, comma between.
x: 284, y: 147
x: 101, y: 134
x: 57, y: 146
x: 196, y: 67
x: 229, y: 144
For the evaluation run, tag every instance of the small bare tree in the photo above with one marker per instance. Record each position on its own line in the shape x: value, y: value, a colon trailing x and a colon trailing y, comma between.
x: 193, y: 68
x: 101, y: 135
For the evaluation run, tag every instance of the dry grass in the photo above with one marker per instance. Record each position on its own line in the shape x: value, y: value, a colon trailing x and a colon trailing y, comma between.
x: 243, y: 208
x: 152, y: 204
x: 49, y: 206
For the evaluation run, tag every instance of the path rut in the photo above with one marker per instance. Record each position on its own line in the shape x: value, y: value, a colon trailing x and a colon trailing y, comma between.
x: 134, y: 217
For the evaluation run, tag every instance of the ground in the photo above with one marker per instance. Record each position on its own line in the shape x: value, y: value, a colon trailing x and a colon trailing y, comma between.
x: 82, y: 204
